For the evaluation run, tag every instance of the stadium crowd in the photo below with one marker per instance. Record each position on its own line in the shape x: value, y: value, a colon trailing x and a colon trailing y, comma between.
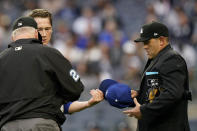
x: 97, y: 37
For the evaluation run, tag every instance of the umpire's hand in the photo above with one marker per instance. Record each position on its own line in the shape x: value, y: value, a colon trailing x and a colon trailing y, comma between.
x: 134, y: 112
x: 134, y: 94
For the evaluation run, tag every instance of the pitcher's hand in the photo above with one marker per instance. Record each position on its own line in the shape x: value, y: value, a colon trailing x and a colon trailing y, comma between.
x: 97, y: 96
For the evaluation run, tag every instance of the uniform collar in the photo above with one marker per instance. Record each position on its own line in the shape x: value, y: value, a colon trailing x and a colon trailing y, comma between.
x: 163, y: 51
x: 24, y: 41
x: 151, y: 62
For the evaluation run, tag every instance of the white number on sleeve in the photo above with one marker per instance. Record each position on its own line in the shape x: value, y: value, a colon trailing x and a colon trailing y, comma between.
x: 74, y: 75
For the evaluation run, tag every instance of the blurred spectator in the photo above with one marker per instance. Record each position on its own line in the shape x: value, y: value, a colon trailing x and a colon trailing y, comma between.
x: 62, y: 31
x: 110, y: 13
x: 172, y: 20
x: 110, y: 32
x: 161, y: 7
x: 93, y: 56
x: 85, y: 26
x: 52, y: 5
x: 115, y: 55
x: 132, y: 63
x: 4, y: 25
x: 188, y: 52
x: 69, y: 12
x: 194, y: 19
x: 105, y: 66
x: 95, y: 129
x: 151, y: 15
x: 182, y: 27
x: 187, y: 5
x: 30, y: 4
x: 87, y: 23
x: 11, y: 10
x: 69, y: 49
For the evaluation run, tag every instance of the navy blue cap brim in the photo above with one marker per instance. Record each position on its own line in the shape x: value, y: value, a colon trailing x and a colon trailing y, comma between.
x: 105, y: 84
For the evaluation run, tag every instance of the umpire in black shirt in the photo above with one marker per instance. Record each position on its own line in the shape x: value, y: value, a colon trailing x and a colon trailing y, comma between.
x: 35, y: 80
x: 164, y: 91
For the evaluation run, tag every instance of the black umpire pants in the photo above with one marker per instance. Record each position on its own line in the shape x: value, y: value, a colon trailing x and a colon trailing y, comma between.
x: 33, y: 124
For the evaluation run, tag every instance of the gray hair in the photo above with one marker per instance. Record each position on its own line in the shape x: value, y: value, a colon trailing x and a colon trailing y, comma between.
x: 24, y: 30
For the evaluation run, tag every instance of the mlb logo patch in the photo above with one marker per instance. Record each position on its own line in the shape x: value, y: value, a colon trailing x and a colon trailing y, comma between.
x: 153, y: 82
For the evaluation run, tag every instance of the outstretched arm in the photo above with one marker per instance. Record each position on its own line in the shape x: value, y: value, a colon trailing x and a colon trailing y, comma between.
x: 76, y: 106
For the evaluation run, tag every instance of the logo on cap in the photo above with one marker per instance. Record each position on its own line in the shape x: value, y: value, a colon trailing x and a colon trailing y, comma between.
x: 20, y: 24
x: 18, y: 48
x: 152, y: 30
x: 141, y: 31
x: 155, y: 34
x: 106, y: 93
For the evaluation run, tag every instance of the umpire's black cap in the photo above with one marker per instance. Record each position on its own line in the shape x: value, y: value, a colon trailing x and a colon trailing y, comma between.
x: 26, y: 22
x: 152, y: 30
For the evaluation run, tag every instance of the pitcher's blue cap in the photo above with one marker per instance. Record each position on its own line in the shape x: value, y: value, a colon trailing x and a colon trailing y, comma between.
x: 105, y: 84
x: 117, y: 94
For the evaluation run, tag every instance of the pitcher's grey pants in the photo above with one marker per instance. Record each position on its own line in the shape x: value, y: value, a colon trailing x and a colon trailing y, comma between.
x: 33, y: 124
